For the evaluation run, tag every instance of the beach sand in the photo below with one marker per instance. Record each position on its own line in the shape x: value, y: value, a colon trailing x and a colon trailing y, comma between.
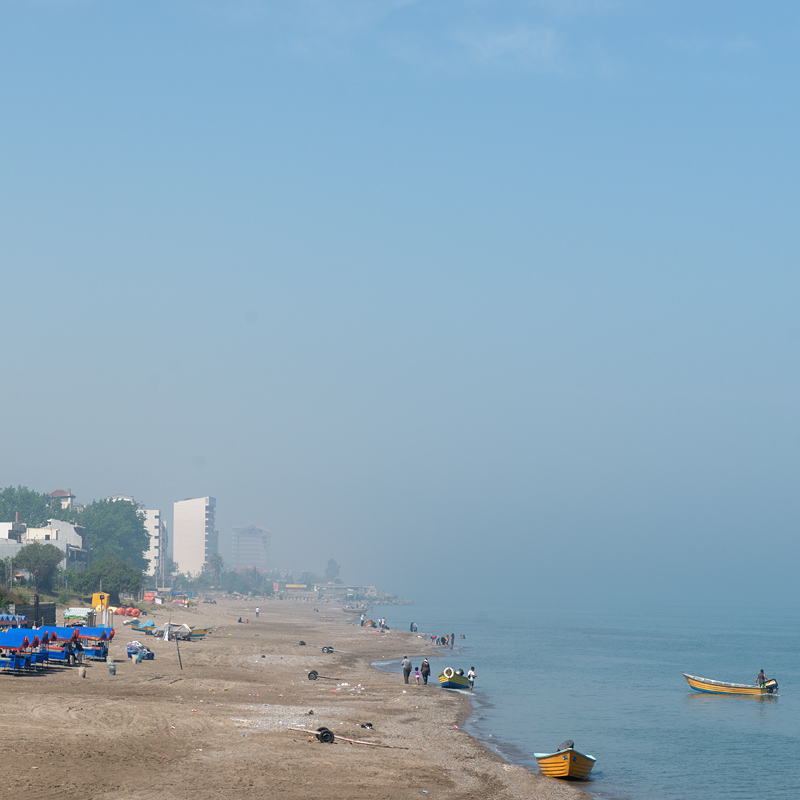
x: 220, y: 727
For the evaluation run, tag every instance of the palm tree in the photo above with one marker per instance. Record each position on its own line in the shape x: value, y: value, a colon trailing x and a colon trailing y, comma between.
x: 215, y: 564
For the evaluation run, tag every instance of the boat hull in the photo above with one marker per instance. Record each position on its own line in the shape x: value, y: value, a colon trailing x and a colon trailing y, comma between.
x: 452, y: 680
x: 566, y: 764
x: 720, y: 687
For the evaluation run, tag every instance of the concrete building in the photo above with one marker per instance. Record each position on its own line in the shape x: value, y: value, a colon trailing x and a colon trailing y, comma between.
x: 194, y: 534
x: 157, y: 553
x: 64, y: 535
x: 157, y: 531
x: 65, y: 496
x: 250, y: 548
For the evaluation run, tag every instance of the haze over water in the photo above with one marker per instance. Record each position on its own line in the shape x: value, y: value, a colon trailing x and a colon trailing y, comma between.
x: 491, y: 300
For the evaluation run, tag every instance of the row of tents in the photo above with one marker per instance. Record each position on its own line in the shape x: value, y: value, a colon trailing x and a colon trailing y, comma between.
x: 30, y: 648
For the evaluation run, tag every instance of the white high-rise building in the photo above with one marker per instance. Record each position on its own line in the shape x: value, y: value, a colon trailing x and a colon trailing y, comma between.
x: 156, y: 530
x: 194, y: 534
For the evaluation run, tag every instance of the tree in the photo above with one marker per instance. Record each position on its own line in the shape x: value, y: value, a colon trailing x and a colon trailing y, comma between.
x: 34, y: 509
x: 41, y: 560
x: 116, y: 529
x: 115, y: 575
x: 215, y: 564
x: 331, y: 571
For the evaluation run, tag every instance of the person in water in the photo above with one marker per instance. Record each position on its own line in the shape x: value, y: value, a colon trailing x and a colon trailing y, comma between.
x: 761, y: 679
x: 471, y: 677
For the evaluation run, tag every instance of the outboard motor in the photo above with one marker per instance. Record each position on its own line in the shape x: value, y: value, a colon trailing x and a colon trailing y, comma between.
x: 771, y: 686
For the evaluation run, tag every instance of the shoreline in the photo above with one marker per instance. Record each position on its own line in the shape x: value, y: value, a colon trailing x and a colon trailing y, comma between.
x: 506, y: 751
x: 222, y: 725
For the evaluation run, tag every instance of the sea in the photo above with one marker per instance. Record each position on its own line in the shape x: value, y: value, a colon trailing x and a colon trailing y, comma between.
x: 610, y: 679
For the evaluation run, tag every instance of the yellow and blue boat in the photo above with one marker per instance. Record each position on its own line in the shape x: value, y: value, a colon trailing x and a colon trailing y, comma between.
x: 720, y: 687
x: 566, y: 763
x: 453, y: 679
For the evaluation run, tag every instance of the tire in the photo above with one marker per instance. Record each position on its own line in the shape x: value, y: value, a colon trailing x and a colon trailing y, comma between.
x: 325, y: 735
x: 313, y: 675
x: 448, y: 672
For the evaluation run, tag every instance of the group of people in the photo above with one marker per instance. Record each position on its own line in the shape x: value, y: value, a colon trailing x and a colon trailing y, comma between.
x: 423, y: 671
x: 445, y: 640
x: 73, y: 653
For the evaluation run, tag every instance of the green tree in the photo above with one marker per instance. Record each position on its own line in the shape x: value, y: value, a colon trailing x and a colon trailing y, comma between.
x: 331, y: 571
x: 215, y: 565
x: 116, y: 529
x: 115, y: 575
x: 41, y: 560
x: 34, y: 509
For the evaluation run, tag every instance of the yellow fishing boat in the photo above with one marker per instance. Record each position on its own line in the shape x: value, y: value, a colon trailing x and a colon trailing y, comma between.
x: 453, y: 679
x: 720, y: 687
x: 566, y: 762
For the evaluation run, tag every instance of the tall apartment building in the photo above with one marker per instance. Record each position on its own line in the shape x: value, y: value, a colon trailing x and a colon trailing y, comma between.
x: 157, y: 553
x: 194, y: 534
x: 250, y: 548
x: 157, y: 530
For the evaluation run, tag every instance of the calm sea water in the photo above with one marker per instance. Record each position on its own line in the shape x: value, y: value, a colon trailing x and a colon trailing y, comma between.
x: 610, y: 679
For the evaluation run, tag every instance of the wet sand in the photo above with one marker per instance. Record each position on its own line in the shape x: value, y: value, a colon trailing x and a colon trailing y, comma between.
x: 220, y: 727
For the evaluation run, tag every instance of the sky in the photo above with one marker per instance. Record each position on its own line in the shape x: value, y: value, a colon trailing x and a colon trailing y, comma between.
x: 490, y: 299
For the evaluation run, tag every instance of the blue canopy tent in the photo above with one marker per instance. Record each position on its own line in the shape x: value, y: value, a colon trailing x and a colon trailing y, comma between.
x: 57, y: 634
x: 95, y: 641
x: 18, y: 639
x: 100, y: 634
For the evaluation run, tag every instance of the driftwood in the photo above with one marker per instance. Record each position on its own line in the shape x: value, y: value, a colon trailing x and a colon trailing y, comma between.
x: 315, y: 734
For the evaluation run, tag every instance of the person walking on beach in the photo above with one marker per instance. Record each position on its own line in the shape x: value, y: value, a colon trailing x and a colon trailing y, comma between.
x: 425, y: 670
x: 471, y: 677
x: 257, y: 611
x: 416, y: 675
x: 406, y: 668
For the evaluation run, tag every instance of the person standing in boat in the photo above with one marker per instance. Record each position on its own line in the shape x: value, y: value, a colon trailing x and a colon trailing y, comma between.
x: 761, y: 678
x: 471, y: 677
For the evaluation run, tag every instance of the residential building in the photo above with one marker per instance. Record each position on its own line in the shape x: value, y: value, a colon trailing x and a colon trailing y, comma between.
x: 194, y: 534
x: 64, y: 535
x: 65, y: 496
x: 250, y: 548
x: 157, y: 531
x: 157, y: 553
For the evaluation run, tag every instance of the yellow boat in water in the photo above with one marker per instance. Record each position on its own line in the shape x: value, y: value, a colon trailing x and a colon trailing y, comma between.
x: 453, y: 679
x: 566, y: 762
x: 720, y: 687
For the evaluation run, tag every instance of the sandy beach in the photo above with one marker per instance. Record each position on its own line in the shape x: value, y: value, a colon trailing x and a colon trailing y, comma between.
x: 220, y: 727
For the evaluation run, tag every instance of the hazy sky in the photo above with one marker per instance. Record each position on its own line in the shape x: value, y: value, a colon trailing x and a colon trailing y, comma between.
x: 475, y: 297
